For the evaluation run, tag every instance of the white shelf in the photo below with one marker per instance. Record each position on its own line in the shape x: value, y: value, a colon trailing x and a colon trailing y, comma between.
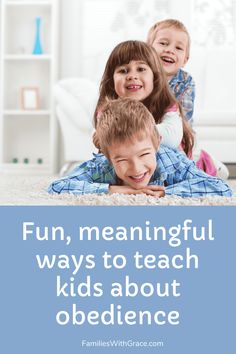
x: 20, y: 168
x: 28, y: 3
x: 30, y: 134
x: 27, y: 57
x: 18, y: 112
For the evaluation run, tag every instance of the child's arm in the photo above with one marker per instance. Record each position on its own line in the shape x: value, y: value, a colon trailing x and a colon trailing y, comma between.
x: 152, y: 190
x: 183, y: 87
x: 171, y: 129
x: 188, y: 181
x: 93, y: 176
x: 187, y: 102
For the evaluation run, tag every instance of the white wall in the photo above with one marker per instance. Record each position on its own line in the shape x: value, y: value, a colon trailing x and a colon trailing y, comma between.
x: 69, y: 38
x: 89, y: 29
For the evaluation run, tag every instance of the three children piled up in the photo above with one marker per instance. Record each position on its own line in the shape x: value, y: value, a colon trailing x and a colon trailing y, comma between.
x: 143, y: 121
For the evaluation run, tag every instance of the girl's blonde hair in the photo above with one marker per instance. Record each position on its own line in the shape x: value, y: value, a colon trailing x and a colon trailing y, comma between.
x: 160, y: 98
x: 123, y: 119
x: 152, y: 33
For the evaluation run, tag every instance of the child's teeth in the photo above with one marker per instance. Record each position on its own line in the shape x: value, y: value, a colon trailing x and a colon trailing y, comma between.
x: 138, y: 177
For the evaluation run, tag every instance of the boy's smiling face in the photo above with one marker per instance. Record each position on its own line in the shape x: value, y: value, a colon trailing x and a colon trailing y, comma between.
x: 172, y: 46
x: 134, y: 160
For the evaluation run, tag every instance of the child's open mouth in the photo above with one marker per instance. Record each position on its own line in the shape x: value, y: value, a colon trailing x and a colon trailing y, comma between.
x: 134, y: 88
x: 139, y: 178
x: 167, y: 60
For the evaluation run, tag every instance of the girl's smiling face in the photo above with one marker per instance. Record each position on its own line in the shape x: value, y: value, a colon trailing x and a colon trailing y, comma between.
x: 133, y: 80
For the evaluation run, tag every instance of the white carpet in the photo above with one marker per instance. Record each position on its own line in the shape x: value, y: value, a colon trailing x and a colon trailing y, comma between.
x: 32, y: 190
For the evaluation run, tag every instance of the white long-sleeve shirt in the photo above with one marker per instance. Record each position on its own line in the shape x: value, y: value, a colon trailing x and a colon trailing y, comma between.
x: 171, y: 129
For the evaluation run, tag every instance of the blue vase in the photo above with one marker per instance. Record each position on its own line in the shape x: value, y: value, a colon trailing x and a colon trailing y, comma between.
x: 37, y: 44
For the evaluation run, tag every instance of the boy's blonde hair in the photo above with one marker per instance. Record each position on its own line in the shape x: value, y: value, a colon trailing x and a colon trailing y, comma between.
x: 123, y: 119
x: 166, y: 24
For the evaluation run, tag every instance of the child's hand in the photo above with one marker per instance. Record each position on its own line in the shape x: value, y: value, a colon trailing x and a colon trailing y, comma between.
x: 155, y: 191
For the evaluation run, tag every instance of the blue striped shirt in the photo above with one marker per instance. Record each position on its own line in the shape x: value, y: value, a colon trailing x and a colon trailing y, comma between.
x: 174, y: 170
